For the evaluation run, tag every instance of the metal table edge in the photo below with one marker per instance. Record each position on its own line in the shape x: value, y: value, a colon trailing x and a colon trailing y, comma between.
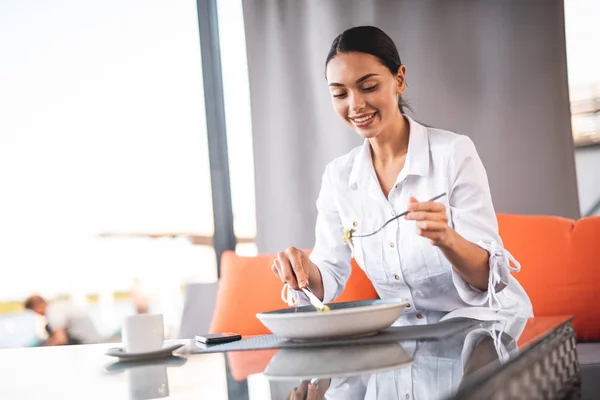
x: 479, y: 381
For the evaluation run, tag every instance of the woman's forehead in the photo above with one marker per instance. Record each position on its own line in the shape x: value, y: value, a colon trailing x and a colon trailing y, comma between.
x: 346, y: 68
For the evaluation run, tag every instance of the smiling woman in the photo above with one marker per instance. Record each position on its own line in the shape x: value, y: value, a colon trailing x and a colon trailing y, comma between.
x: 444, y: 254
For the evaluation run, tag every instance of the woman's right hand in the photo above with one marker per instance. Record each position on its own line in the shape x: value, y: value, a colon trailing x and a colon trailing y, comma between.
x: 294, y: 267
x: 310, y: 391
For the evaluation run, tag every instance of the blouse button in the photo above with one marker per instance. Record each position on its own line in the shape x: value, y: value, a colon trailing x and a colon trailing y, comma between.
x: 420, y: 316
x: 392, y: 244
x: 408, y: 305
x: 397, y: 277
x: 355, y: 224
x: 397, y: 185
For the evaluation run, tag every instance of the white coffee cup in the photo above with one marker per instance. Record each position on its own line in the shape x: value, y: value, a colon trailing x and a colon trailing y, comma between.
x: 143, y: 332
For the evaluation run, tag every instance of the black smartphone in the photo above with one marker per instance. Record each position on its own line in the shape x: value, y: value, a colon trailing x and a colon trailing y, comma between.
x: 216, y: 338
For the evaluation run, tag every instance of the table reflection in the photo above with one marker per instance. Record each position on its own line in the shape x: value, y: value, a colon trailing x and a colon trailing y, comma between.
x: 148, y: 379
x: 423, y: 370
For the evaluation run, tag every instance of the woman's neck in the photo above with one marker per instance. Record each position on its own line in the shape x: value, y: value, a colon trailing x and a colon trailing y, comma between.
x: 392, y: 144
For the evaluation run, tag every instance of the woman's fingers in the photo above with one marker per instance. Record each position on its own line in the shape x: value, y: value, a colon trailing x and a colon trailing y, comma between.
x: 431, y: 206
x: 291, y: 266
x: 300, y: 393
x: 427, y: 216
x: 437, y: 234
x: 286, y: 272
x: 432, y: 226
x: 292, y: 395
x: 277, y: 270
x: 299, y: 263
x: 313, y: 392
x: 430, y: 219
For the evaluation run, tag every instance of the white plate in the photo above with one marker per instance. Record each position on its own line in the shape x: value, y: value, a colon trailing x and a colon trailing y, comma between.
x: 349, y: 319
x: 336, y: 362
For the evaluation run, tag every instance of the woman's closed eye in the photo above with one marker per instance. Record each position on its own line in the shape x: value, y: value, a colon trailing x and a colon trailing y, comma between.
x: 370, y: 88
x: 367, y: 89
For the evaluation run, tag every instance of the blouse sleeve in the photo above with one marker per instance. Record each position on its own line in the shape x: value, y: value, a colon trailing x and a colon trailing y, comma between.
x: 473, y: 217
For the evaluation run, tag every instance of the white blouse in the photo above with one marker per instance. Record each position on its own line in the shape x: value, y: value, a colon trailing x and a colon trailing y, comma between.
x: 399, y: 262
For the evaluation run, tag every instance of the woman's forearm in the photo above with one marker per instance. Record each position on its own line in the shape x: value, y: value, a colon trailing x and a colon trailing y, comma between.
x: 469, y: 260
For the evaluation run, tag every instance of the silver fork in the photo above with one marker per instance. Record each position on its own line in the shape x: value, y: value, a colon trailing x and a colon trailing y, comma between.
x: 393, y: 219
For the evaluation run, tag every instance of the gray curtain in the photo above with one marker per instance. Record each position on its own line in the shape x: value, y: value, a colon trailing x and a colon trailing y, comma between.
x: 493, y: 70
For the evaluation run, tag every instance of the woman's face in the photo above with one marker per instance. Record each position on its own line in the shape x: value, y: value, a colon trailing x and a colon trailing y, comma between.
x: 364, y: 92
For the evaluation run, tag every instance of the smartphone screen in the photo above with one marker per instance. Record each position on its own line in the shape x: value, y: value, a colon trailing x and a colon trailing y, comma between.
x: 214, y: 338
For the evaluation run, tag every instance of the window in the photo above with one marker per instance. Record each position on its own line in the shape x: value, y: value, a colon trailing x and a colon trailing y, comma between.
x: 583, y: 62
x: 582, y: 34
x: 104, y: 168
x: 236, y: 91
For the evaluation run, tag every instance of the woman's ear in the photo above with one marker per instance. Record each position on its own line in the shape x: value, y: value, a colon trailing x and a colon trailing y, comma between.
x: 401, y: 79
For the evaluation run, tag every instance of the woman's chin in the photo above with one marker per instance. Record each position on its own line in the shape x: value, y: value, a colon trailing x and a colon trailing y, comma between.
x: 370, y: 131
x: 366, y: 133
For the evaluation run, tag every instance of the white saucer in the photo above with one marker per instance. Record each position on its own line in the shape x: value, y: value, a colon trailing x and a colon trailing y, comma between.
x: 123, y: 355
x: 167, y: 362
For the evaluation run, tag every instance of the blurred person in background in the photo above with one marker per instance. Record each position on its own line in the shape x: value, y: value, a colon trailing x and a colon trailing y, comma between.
x: 140, y: 296
x: 66, y: 323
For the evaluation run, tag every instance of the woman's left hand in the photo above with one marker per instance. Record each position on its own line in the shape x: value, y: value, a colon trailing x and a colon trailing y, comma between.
x: 431, y: 221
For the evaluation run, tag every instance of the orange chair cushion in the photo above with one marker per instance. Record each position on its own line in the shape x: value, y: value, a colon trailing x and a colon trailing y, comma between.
x: 248, y: 286
x: 245, y: 363
x: 560, y: 266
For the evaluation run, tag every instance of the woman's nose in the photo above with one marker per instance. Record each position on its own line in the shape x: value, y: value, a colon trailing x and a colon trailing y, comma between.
x: 357, y: 102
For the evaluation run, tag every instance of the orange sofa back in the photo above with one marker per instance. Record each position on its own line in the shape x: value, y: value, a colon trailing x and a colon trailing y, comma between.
x: 560, y: 261
x: 560, y: 266
x: 248, y: 286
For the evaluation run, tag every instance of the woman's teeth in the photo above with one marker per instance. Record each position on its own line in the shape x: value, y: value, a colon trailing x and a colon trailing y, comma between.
x: 363, y: 119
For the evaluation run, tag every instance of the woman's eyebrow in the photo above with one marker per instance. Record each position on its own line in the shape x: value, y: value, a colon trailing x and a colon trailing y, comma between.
x: 359, y: 80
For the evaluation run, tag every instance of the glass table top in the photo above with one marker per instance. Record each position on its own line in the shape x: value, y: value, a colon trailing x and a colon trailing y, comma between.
x: 417, y: 369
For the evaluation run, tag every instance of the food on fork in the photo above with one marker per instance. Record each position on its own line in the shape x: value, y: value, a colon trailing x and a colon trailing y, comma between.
x: 348, y: 236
